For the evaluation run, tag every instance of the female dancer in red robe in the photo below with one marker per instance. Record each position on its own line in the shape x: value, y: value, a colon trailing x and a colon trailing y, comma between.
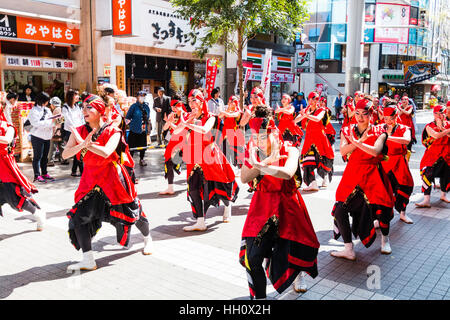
x: 347, y: 110
x: 396, y: 167
x: 256, y: 99
x: 289, y: 130
x: 364, y: 191
x: 406, y: 117
x: 173, y: 152
x: 106, y: 192
x: 232, y: 138
x: 436, y: 159
x: 277, y: 226
x: 210, y: 177
x: 317, y: 152
x: 15, y: 189
x: 329, y: 129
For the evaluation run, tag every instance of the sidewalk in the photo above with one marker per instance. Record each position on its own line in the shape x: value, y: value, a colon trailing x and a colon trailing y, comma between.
x: 205, y: 265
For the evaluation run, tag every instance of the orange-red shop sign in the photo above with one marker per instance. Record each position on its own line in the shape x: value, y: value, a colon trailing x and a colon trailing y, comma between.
x: 39, y: 30
x: 122, y: 17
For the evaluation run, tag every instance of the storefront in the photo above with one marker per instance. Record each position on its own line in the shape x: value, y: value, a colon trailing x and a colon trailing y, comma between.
x: 159, y: 54
x: 36, y: 52
x: 281, y: 77
x: 149, y: 73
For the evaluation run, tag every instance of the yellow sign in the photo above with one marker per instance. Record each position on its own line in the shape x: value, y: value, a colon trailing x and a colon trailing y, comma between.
x: 106, y: 70
x: 120, y: 77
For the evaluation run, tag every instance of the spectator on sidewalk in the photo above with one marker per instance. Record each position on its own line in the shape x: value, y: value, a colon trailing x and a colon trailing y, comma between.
x: 215, y: 104
x: 161, y: 105
x: 27, y: 95
x: 55, y: 107
x: 338, y: 106
x: 138, y: 119
x: 41, y: 132
x: 73, y: 118
x: 300, y: 102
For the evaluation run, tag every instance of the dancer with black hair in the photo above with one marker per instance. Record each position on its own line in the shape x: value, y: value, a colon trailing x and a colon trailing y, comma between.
x: 106, y: 192
x: 277, y: 227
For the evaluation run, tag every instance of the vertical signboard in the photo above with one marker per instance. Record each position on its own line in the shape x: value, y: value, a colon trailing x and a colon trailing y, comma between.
x: 122, y: 17
x: 120, y: 77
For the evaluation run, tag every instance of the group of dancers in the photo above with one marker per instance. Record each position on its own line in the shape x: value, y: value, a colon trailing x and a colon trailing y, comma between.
x: 283, y: 151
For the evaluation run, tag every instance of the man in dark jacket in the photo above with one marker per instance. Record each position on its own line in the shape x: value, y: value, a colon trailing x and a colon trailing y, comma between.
x: 162, y: 107
x: 138, y: 119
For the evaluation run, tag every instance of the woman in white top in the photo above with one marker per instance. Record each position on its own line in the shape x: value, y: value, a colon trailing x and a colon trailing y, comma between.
x: 41, y: 132
x: 73, y: 118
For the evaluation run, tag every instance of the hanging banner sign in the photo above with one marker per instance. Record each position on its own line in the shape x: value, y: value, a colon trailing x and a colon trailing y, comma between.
x: 419, y: 70
x: 247, y: 66
x: 211, y: 73
x: 122, y: 17
x: 265, y: 81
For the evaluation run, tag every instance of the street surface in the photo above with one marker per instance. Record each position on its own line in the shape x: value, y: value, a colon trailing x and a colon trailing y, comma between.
x: 205, y: 265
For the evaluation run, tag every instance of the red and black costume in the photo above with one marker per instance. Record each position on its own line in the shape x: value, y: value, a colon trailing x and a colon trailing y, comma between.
x: 407, y: 120
x: 436, y: 159
x: 289, y: 130
x: 15, y: 188
x: 232, y: 138
x: 277, y: 227
x: 396, y: 166
x: 173, y: 153
x: 317, y: 152
x: 364, y: 192
x: 105, y: 194
x: 210, y: 177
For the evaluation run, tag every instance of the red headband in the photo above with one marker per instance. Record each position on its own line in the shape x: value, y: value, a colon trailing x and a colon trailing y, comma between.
x: 439, y: 109
x: 389, y: 111
x: 198, y: 95
x: 313, y: 95
x: 177, y: 104
x: 364, y: 104
x: 96, y: 102
x: 257, y: 91
x: 256, y: 124
x: 287, y: 96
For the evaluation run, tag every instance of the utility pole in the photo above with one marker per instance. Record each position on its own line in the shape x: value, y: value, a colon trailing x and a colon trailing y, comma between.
x: 355, y: 23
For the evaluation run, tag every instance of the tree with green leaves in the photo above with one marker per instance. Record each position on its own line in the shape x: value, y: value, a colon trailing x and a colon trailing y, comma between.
x: 232, y: 23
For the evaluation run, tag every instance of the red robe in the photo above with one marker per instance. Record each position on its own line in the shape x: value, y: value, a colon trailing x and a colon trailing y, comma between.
x: 408, y: 121
x: 9, y: 170
x: 365, y: 171
x: 315, y: 135
x: 436, y: 148
x: 286, y: 122
x: 201, y: 150
x: 397, y: 157
x: 102, y: 172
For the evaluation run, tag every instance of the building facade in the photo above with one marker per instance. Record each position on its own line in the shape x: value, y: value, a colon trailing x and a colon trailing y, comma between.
x: 420, y: 26
x: 159, y: 52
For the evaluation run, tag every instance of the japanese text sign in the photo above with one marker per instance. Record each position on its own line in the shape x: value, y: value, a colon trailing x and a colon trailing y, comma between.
x: 45, y: 30
x: 122, y: 17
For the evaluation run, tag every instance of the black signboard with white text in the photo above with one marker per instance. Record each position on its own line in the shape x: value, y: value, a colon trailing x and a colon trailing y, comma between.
x: 8, y: 26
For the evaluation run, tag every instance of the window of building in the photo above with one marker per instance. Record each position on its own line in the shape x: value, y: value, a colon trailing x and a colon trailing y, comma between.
x: 34, y: 50
x: 338, y: 32
x: 324, y: 11
x: 339, y: 13
x: 323, y: 51
x: 389, y: 61
x: 414, y: 16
